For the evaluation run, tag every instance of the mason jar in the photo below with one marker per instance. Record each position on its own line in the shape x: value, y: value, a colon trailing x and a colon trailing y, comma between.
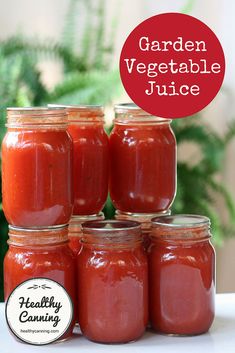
x: 90, y: 157
x: 37, y: 168
x: 181, y: 275
x: 143, y: 161
x: 112, y: 282
x: 40, y: 253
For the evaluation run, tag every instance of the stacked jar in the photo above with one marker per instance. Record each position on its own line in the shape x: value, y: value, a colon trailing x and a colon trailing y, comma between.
x: 38, y: 198
x: 180, y: 256
x: 55, y: 171
x: 90, y: 165
x: 143, y: 165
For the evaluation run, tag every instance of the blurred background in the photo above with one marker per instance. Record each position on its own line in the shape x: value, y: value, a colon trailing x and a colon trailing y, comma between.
x: 67, y: 51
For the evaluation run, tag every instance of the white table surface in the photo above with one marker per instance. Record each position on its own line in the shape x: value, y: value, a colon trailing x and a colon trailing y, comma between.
x: 221, y: 338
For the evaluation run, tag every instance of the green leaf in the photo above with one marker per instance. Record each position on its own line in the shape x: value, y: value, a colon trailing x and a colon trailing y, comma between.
x: 86, y: 88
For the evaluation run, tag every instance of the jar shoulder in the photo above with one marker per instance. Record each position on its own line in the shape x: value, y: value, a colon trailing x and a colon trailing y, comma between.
x: 143, y: 134
x: 200, y: 253
x: 19, y: 139
x: 88, y: 135
x: 25, y: 258
x: 106, y: 258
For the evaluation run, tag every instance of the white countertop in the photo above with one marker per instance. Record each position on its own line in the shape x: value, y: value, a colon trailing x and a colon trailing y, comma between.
x: 221, y: 338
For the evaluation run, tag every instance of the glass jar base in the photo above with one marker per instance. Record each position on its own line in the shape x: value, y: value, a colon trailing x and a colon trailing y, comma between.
x: 140, y: 215
x: 113, y: 342
x: 84, y: 218
x: 42, y: 228
x: 61, y: 340
x: 173, y: 334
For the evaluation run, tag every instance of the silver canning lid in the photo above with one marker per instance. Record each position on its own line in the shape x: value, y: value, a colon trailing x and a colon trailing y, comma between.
x: 126, y: 107
x: 36, y: 117
x: 31, y: 108
x: 35, y: 110
x: 110, y: 226
x: 96, y: 110
x: 81, y: 113
x: 181, y: 221
x: 76, y: 107
x: 131, y: 111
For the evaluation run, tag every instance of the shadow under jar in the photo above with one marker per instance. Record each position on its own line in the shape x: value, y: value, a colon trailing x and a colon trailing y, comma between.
x: 112, y: 282
x: 90, y: 158
x: 181, y: 275
x: 40, y: 253
x: 143, y: 161
x: 37, y: 168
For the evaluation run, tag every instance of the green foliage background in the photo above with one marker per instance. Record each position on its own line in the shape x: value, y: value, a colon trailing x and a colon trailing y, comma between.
x: 88, y: 75
x: 91, y: 77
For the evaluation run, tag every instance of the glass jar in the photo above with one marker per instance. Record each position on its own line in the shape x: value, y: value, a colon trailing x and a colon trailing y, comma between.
x: 90, y: 158
x: 75, y: 230
x: 112, y: 282
x: 37, y: 168
x: 181, y: 275
x: 144, y: 220
x: 143, y: 161
x: 40, y: 253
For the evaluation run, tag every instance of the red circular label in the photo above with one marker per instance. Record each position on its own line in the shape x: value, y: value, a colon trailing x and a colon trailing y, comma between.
x: 172, y: 65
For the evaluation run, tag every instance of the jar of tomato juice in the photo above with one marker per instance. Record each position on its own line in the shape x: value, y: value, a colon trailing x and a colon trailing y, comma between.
x: 37, y: 168
x: 40, y: 253
x: 90, y: 157
x: 181, y: 275
x: 112, y: 282
x: 143, y: 161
